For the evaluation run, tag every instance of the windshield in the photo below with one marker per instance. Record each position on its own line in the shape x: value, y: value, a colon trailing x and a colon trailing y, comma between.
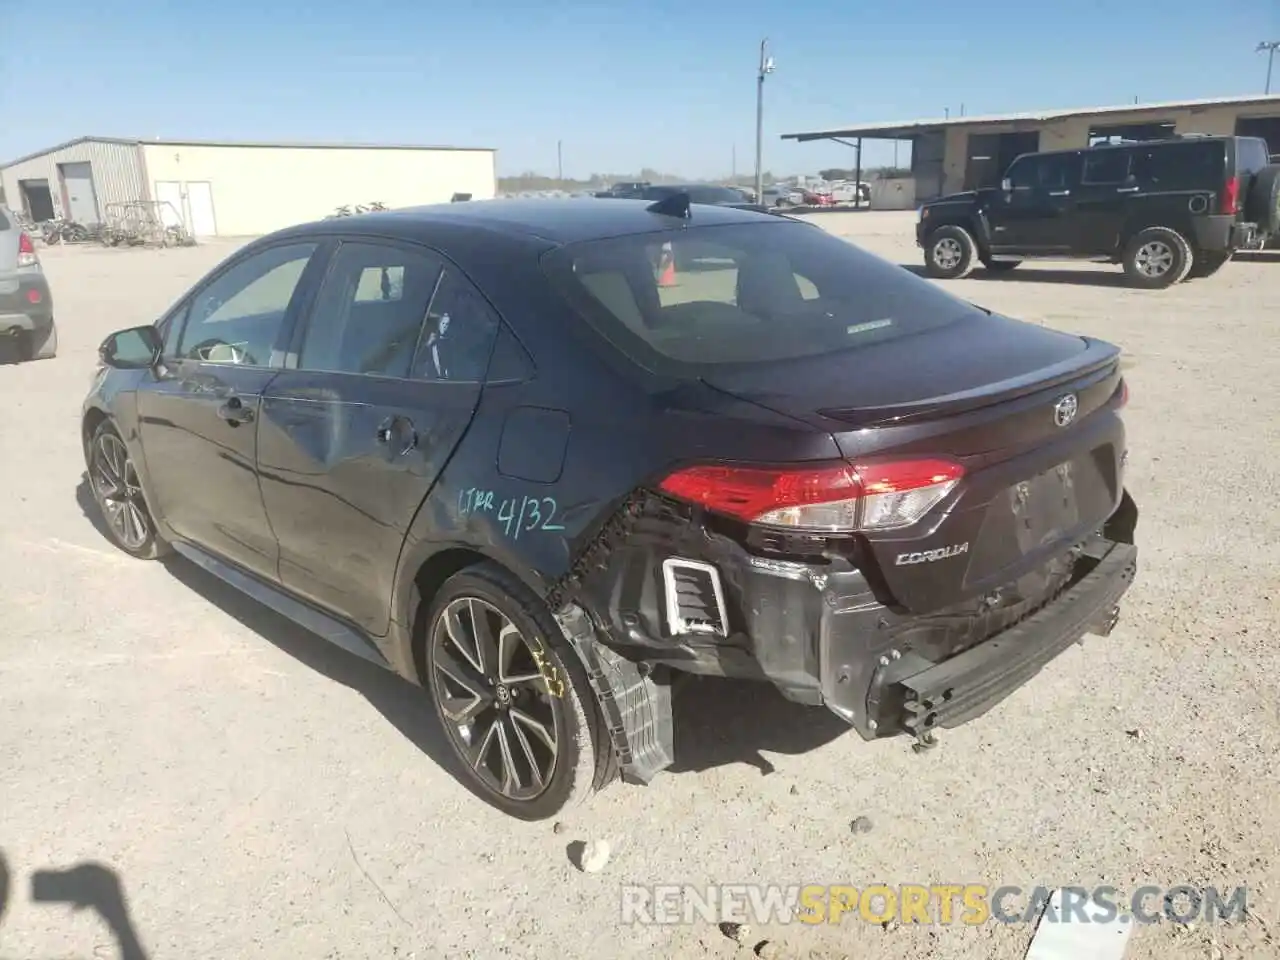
x: 753, y: 293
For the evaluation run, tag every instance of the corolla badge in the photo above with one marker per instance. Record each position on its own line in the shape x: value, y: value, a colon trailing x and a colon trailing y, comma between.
x: 1065, y: 409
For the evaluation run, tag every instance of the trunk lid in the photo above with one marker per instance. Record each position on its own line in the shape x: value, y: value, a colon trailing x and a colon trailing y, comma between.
x: 1042, y: 472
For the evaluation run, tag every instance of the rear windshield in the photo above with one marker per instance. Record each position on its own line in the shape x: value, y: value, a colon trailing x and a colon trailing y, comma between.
x: 1251, y: 155
x: 744, y: 294
x: 697, y: 194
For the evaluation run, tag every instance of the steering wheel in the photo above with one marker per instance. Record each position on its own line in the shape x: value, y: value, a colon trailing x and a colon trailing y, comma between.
x: 237, y: 354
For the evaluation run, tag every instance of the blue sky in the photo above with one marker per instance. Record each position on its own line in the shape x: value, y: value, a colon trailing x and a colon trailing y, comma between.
x: 661, y: 84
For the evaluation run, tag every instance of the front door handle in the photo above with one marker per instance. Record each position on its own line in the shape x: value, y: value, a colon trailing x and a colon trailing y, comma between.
x: 1059, y: 193
x: 234, y: 412
x: 399, y: 433
x: 1127, y: 189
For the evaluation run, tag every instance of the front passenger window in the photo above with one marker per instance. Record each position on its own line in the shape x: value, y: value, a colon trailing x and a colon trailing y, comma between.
x: 237, y: 318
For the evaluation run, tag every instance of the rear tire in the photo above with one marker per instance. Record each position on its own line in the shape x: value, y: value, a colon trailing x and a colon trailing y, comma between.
x: 537, y: 687
x: 1207, y: 264
x: 118, y: 493
x: 950, y: 253
x: 1156, y: 258
x: 16, y: 346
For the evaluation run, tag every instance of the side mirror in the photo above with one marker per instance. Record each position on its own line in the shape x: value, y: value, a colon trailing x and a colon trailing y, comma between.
x: 137, y: 348
x: 1006, y: 185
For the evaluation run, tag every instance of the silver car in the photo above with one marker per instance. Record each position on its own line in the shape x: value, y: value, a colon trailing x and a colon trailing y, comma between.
x: 27, y: 330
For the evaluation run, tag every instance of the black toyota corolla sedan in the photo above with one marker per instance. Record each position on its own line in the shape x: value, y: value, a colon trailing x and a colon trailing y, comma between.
x: 538, y: 457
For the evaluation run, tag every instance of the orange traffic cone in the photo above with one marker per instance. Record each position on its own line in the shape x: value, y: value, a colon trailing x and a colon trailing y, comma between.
x: 667, y: 267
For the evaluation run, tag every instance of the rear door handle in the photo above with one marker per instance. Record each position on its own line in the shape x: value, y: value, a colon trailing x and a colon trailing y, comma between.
x: 1059, y: 193
x: 1127, y: 189
x: 234, y: 412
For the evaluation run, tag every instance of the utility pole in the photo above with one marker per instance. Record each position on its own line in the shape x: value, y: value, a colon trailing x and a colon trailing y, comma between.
x: 560, y: 160
x: 733, y: 168
x: 766, y: 68
x: 1269, y: 46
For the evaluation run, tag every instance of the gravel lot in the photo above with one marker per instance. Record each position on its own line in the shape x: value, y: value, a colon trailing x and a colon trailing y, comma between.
x: 258, y: 794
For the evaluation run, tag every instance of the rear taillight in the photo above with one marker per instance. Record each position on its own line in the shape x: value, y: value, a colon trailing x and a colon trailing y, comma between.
x: 831, y: 498
x: 1231, y: 196
x: 26, y: 251
x: 1122, y: 392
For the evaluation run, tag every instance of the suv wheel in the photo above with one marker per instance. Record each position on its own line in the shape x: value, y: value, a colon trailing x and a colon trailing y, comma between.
x: 950, y: 253
x: 1207, y: 264
x: 114, y: 481
x: 515, y: 703
x: 15, y: 346
x: 1157, y: 257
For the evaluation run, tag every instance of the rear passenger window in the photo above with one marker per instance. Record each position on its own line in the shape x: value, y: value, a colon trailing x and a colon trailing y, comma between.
x: 369, y: 312
x: 1181, y: 166
x: 1105, y: 166
x: 459, y: 334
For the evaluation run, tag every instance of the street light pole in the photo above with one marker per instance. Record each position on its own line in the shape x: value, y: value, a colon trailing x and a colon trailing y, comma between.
x: 766, y: 68
x: 1269, y: 46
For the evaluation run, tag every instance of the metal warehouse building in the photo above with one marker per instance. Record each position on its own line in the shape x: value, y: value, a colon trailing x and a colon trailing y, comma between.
x: 966, y: 153
x: 232, y: 189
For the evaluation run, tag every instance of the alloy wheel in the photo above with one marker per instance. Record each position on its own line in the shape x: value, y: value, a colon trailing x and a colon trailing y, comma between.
x: 498, y: 709
x: 947, y: 253
x: 115, y: 481
x: 1154, y: 259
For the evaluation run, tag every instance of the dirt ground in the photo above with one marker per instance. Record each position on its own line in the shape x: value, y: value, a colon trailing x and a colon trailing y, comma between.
x: 229, y: 786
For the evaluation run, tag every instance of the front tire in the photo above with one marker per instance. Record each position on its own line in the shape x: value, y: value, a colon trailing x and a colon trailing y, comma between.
x: 1157, y: 257
x: 515, y: 703
x: 118, y: 493
x: 950, y: 253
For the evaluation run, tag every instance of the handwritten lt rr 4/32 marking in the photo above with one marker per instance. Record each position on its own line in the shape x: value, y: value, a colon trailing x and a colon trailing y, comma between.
x: 517, y: 515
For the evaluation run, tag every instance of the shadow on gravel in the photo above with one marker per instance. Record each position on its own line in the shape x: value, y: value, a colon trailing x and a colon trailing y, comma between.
x: 86, y: 886
x: 89, y: 507
x: 717, y: 722
x: 403, y: 704
x: 406, y: 706
x: 1025, y: 274
x: 1257, y: 256
x: 720, y: 722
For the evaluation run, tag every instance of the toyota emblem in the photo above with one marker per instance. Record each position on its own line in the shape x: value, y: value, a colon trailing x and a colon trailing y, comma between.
x: 1065, y: 409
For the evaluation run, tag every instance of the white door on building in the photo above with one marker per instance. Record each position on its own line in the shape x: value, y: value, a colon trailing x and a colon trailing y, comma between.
x: 169, y: 198
x: 200, y: 207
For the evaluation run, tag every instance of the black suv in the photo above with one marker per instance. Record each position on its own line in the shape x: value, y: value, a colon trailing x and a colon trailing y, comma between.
x: 1168, y: 210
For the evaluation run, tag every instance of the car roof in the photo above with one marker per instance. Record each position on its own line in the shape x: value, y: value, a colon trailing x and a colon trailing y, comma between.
x: 558, y: 221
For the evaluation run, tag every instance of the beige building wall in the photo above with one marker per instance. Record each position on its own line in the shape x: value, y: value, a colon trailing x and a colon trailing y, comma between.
x: 1073, y: 132
x: 251, y: 190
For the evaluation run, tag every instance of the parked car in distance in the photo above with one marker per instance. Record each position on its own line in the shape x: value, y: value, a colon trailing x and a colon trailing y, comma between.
x: 1168, y: 210
x: 625, y: 190
x: 485, y: 446
x: 27, y: 328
